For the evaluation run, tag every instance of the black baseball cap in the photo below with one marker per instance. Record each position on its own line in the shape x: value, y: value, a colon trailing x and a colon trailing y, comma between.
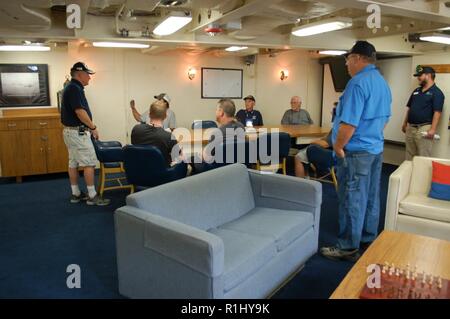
x: 250, y: 97
x: 80, y: 66
x: 420, y: 69
x: 363, y: 48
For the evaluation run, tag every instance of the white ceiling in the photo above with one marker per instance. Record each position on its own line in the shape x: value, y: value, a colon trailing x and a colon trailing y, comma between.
x: 258, y: 24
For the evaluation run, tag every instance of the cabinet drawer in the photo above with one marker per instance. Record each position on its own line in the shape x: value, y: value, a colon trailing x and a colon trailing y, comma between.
x: 43, y: 123
x: 3, y: 126
x: 16, y: 125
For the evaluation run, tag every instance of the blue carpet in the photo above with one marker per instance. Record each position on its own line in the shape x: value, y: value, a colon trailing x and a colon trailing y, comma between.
x: 41, y: 233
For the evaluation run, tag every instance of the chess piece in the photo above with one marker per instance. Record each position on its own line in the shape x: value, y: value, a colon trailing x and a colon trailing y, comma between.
x: 431, y: 280
x: 424, y: 277
x: 392, y: 269
x: 385, y: 267
x: 397, y: 272
x: 439, y: 282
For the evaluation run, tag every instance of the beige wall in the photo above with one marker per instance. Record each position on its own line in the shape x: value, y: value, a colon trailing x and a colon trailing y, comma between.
x: 273, y: 95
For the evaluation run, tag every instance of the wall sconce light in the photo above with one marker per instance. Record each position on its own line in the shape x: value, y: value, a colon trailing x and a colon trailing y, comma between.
x: 284, y: 74
x: 191, y: 73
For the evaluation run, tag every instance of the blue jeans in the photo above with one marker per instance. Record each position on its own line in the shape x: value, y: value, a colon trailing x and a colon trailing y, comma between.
x: 358, y: 175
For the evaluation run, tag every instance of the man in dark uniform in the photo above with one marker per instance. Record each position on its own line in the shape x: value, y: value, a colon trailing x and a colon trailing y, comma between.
x: 249, y: 116
x: 78, y: 128
x: 423, y: 114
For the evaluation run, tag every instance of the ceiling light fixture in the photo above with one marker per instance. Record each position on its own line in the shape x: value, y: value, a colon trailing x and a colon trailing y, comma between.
x: 24, y: 48
x: 322, y: 27
x: 436, y: 38
x: 172, y: 23
x: 120, y: 45
x: 235, y: 48
x: 332, y: 52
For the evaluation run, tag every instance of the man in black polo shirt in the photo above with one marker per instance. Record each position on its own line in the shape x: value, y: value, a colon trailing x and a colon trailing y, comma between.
x: 249, y: 116
x: 154, y: 134
x: 78, y: 128
x: 423, y: 114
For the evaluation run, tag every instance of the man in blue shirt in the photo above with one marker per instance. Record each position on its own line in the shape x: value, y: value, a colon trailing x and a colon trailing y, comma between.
x: 361, y: 115
x: 76, y: 117
x: 422, y: 117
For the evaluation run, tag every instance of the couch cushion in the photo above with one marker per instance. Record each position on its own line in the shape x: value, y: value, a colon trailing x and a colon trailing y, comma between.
x: 244, y: 255
x: 203, y: 201
x: 440, y: 184
x: 422, y: 206
x: 283, y: 226
x: 422, y: 173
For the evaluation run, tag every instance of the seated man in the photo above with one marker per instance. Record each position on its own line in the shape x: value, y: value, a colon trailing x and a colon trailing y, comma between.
x: 301, y: 158
x: 249, y: 116
x: 227, y: 130
x: 296, y: 116
x: 169, y: 122
x: 154, y: 134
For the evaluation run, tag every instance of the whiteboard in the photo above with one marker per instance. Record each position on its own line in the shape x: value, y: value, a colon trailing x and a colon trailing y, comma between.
x: 398, y: 74
x: 221, y: 83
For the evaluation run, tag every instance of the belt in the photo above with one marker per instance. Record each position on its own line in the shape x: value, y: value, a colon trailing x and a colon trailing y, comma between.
x: 72, y: 127
x: 419, y: 125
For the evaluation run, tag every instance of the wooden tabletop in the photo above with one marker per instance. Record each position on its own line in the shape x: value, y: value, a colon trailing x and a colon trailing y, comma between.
x: 428, y: 254
x: 202, y: 135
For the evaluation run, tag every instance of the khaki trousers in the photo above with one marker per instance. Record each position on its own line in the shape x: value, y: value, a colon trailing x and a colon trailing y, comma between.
x: 416, y: 144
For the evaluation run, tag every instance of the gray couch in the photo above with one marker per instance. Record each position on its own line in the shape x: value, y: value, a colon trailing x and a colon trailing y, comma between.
x: 226, y: 233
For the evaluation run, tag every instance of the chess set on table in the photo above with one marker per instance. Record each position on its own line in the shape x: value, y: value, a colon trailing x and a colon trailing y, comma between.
x: 407, y: 283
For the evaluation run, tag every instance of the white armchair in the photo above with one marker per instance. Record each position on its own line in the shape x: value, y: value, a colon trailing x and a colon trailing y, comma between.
x: 408, y: 207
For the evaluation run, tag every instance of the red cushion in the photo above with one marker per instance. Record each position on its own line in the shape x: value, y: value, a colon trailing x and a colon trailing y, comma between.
x: 441, y: 173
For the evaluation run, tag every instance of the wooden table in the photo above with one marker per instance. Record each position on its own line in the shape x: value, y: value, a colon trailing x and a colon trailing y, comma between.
x: 303, y: 132
x: 428, y: 254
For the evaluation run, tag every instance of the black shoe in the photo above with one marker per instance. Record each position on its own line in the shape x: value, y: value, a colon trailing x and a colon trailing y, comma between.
x: 335, y: 253
x: 76, y: 199
x: 97, y: 200
x: 364, y: 246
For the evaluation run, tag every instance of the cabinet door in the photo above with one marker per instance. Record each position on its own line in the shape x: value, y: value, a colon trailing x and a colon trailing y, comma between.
x: 8, y: 153
x: 57, y: 156
x: 31, y: 153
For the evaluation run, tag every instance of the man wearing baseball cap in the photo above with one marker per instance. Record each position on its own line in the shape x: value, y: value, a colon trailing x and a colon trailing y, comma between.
x: 422, y: 116
x: 76, y: 117
x: 358, y: 141
x: 249, y: 116
x: 170, y: 121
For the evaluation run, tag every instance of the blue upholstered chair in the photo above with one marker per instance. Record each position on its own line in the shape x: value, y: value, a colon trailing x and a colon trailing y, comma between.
x: 265, y: 149
x: 110, y: 156
x: 145, y: 166
x: 322, y: 161
x: 231, y: 152
x: 203, y: 124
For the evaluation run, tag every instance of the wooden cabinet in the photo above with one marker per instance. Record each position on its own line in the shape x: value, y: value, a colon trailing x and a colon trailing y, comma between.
x: 31, y: 143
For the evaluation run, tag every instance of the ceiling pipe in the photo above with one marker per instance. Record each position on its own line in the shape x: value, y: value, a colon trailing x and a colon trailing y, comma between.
x: 125, y: 33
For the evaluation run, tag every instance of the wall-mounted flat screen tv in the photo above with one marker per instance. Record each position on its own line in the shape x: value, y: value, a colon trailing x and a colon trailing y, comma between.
x: 339, y: 73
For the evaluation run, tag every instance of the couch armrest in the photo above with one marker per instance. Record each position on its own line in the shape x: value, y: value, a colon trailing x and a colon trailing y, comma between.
x: 195, y: 248
x: 398, y: 189
x: 287, y: 192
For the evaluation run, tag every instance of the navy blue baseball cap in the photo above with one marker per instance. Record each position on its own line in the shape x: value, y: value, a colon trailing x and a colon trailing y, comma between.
x: 424, y: 69
x: 80, y: 66
x: 363, y: 48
